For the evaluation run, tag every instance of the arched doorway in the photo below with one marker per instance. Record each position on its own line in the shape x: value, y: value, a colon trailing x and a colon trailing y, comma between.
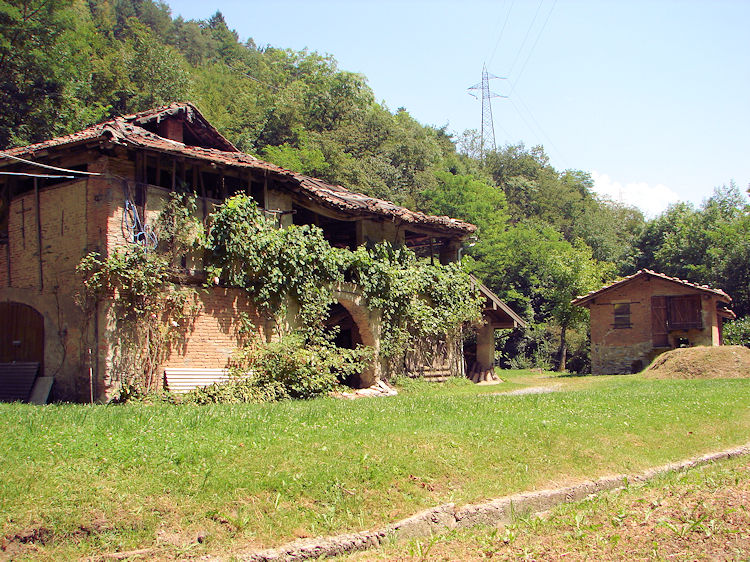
x: 21, y: 350
x: 349, y: 334
x: 21, y: 334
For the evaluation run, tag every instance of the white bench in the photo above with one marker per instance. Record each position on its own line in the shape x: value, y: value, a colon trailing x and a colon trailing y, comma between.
x: 179, y: 380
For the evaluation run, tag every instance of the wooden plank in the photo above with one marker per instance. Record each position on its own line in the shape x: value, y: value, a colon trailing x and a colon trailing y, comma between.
x: 39, y: 233
x: 40, y: 391
x: 659, y: 336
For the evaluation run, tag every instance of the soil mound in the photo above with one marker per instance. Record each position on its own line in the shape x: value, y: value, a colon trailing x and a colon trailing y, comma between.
x: 725, y: 362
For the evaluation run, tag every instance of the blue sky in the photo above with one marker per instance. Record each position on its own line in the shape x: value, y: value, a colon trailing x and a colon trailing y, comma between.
x: 652, y: 98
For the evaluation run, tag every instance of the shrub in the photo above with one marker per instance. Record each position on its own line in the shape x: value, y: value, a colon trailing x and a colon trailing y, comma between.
x: 737, y: 332
x: 289, y: 368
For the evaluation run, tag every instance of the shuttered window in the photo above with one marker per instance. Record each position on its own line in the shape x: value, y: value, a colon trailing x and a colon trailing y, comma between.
x: 685, y: 313
x: 622, y: 315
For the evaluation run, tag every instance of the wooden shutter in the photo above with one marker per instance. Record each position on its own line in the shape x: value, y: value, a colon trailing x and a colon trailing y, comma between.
x: 685, y: 313
x: 659, y: 322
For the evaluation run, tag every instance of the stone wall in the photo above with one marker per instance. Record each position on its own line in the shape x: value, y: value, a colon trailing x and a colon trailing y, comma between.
x: 620, y: 359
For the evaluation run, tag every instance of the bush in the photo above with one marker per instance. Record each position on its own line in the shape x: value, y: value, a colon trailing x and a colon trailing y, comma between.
x: 737, y: 332
x: 288, y: 368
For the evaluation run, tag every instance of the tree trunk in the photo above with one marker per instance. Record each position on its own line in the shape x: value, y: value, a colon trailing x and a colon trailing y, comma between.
x: 563, y: 350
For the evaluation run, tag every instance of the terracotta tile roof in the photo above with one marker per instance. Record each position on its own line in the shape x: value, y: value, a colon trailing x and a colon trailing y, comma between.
x: 584, y: 299
x: 192, y: 118
x: 128, y: 131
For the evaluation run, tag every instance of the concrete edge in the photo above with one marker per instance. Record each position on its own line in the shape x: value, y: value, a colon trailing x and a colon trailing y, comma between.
x: 447, y: 517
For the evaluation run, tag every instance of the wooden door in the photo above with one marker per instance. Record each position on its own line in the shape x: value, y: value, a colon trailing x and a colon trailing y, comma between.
x: 659, y: 322
x: 21, y: 334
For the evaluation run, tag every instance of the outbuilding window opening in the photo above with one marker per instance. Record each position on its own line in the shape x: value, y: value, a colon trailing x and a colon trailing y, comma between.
x: 622, y: 315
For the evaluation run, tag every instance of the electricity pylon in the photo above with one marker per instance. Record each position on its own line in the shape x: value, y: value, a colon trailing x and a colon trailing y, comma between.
x: 487, y: 133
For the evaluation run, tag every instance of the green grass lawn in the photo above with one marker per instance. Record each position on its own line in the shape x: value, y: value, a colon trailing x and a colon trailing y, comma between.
x: 80, y: 480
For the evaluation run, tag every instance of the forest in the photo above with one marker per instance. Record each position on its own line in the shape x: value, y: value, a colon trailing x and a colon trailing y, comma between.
x: 544, y: 235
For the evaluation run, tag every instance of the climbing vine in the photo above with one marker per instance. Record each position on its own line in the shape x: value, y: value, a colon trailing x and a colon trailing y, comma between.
x: 246, y: 250
x: 149, y: 312
x: 278, y: 268
x: 415, y: 298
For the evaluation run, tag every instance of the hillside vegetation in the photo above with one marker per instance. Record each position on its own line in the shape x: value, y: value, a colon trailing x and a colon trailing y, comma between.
x: 544, y: 236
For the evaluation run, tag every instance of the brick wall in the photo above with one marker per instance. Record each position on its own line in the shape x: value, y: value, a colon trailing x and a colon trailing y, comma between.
x: 63, y: 228
x: 212, y: 335
x: 620, y: 350
x: 63, y: 237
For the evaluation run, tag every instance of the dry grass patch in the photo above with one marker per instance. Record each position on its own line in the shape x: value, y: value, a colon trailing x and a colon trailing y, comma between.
x: 725, y: 362
x: 702, y: 514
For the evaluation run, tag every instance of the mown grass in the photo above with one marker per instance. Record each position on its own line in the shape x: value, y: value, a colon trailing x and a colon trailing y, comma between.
x: 184, y: 480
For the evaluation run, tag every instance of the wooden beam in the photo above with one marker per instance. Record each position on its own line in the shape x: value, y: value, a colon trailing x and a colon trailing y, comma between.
x: 39, y: 234
x: 6, y: 196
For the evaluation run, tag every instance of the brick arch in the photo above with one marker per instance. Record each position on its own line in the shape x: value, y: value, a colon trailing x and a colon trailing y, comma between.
x: 367, y: 324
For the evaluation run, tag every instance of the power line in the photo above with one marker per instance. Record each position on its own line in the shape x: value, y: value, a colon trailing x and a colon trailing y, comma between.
x: 55, y: 168
x: 523, y: 43
x: 502, y: 31
x: 538, y: 127
x: 531, y: 51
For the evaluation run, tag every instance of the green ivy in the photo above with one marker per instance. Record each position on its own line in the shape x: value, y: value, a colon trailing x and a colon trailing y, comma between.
x: 244, y: 249
x: 148, y: 310
x: 415, y: 298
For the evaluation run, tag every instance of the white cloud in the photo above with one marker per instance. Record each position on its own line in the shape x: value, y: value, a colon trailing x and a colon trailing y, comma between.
x: 651, y: 199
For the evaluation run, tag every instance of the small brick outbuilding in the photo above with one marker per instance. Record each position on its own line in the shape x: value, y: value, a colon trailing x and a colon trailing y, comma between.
x: 638, y: 317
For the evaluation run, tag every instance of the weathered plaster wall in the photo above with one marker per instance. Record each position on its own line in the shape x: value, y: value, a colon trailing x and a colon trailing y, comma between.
x: 375, y: 231
x: 63, y: 233
x: 279, y: 201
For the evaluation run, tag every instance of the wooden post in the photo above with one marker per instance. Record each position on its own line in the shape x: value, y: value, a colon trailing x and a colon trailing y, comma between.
x: 265, y: 189
x: 203, y: 196
x: 6, y: 196
x: 39, y: 234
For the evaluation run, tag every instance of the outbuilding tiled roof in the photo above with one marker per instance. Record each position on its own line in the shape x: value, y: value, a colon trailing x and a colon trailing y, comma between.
x: 129, y: 131
x: 584, y: 299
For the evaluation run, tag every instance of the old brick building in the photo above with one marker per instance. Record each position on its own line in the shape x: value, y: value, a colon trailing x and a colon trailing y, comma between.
x: 640, y: 316
x: 125, y: 168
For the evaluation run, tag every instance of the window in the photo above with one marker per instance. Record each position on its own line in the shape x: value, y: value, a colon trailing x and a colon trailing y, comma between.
x: 622, y: 315
x: 685, y: 313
